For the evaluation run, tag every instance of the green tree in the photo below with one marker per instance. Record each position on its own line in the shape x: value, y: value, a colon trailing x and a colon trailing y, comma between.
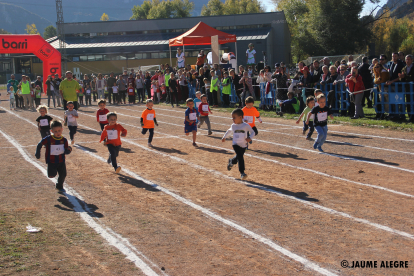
x: 217, y: 7
x: 2, y: 31
x: 156, y: 9
x: 31, y: 29
x: 104, y: 17
x: 50, y: 31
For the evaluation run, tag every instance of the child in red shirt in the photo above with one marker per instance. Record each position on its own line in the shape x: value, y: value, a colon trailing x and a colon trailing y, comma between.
x: 101, y: 114
x: 131, y: 94
x: 113, y: 132
x: 148, y: 121
x: 204, y: 110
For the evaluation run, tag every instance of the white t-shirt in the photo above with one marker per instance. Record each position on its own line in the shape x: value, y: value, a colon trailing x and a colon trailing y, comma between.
x: 240, y: 134
x: 180, y: 60
x: 250, y: 56
x: 115, y: 89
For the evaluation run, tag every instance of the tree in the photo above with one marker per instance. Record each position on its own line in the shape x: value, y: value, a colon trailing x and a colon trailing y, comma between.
x: 104, y: 17
x: 50, y: 31
x: 31, y: 29
x: 3, y: 31
x: 217, y: 7
x: 156, y: 9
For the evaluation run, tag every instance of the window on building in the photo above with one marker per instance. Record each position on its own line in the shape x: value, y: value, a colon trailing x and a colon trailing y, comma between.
x: 91, y: 58
x: 106, y: 57
x: 155, y: 55
x: 164, y: 55
x: 75, y: 59
x: 83, y: 58
x: 98, y: 57
x: 92, y: 34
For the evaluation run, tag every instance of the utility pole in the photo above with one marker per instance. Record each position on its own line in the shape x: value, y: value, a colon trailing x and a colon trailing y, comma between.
x: 61, y: 33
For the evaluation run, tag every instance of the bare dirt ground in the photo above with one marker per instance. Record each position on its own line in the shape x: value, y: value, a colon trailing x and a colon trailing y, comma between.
x: 300, y: 212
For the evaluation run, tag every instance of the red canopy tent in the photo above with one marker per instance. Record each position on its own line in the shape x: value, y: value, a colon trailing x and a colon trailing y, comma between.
x: 201, y: 34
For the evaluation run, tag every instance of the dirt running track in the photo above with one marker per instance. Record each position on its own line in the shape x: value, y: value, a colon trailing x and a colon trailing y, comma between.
x: 299, y: 213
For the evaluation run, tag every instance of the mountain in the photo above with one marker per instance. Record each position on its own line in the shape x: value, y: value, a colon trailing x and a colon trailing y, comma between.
x: 392, y: 5
x: 404, y: 10
x: 11, y: 19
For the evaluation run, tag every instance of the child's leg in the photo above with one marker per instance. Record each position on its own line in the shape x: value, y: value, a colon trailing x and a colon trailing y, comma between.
x: 320, y: 139
x: 151, y: 135
x: 323, y: 138
x: 113, y: 153
x: 202, y: 120
x: 144, y: 131
x: 158, y: 97
x: 239, y: 157
x: 207, y: 119
x: 305, y: 127
x: 194, y: 136
x: 61, y: 170
x: 311, y: 129
x: 256, y: 132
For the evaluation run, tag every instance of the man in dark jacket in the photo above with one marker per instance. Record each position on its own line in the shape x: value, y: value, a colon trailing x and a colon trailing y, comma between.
x: 39, y: 82
x: 365, y: 73
x: 317, y: 72
x: 395, y: 69
x: 110, y: 82
x: 407, y: 75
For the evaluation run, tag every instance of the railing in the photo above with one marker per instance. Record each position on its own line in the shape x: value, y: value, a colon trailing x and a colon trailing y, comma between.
x: 395, y: 99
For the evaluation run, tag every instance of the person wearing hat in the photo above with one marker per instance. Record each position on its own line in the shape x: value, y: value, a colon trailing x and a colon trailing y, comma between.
x: 180, y: 58
x: 69, y: 89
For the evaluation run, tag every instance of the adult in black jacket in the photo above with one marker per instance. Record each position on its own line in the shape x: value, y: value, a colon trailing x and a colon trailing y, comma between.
x: 316, y: 72
x: 238, y: 87
x: 365, y: 73
x: 39, y: 82
x: 395, y: 69
x: 110, y: 82
x: 407, y: 75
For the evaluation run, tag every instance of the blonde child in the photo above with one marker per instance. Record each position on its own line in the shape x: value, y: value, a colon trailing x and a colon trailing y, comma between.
x: 113, y: 133
x: 70, y: 117
x: 310, y: 103
x: 191, y: 117
x: 148, y: 121
x: 317, y: 93
x: 250, y: 114
x: 197, y: 100
x: 12, y: 97
x: 204, y: 111
x: 43, y: 121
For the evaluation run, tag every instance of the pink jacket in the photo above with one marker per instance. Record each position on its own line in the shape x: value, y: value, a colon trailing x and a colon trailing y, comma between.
x: 353, y: 87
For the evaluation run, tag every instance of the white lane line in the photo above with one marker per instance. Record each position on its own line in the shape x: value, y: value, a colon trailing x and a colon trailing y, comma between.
x: 285, y: 125
x: 308, y: 264
x: 313, y: 205
x: 270, y: 160
x: 86, y: 215
x: 288, y: 134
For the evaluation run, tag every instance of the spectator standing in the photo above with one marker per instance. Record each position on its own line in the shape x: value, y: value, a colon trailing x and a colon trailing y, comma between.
x: 383, y: 60
x: 13, y: 82
x: 69, y: 89
x: 238, y: 87
x: 355, y: 84
x: 111, y: 81
x: 100, y: 86
x: 122, y: 87
x: 56, y: 82
x: 381, y: 76
x: 180, y: 58
x: 251, y: 56
x: 139, y: 85
x: 201, y: 57
x: 50, y: 90
x: 407, y: 75
x: 25, y: 88
x: 39, y: 82
x: 365, y: 73
x: 316, y: 72
x: 395, y: 69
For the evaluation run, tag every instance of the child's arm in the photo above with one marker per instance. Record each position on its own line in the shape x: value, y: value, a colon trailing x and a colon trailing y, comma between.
x: 76, y: 116
x: 209, y: 110
x: 142, y: 122
x: 103, y: 135
x: 331, y: 116
x: 68, y: 149
x: 300, y: 117
x: 228, y: 132
x: 252, y: 134
x: 38, y: 126
x: 188, y: 120
x: 307, y: 119
x: 38, y: 149
x: 123, y: 132
x: 259, y: 119
x: 155, y: 121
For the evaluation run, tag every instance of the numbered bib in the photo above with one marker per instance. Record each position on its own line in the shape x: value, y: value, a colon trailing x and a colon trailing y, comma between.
x: 238, y: 138
x: 88, y: 91
x: 248, y: 119
x: 57, y: 149
x: 205, y: 108
x: 71, y: 118
x: 44, y: 122
x: 192, y: 116
x: 150, y: 117
x: 322, y: 116
x: 112, y: 134
x: 198, y: 104
x: 102, y: 118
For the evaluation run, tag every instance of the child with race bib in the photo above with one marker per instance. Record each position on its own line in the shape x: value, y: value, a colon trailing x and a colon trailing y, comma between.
x: 101, y: 114
x: 43, y: 121
x: 88, y: 95
x: 197, y: 100
x: 148, y: 120
x: 240, y: 132
x: 113, y: 133
x: 191, y: 117
x: 70, y: 116
x: 56, y: 148
x: 204, y: 110
x: 310, y: 103
x: 250, y: 114
x: 12, y: 97
x: 321, y: 113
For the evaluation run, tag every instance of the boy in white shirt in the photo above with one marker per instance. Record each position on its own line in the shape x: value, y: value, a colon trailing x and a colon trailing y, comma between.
x: 11, y: 94
x: 240, y: 140
x: 115, y: 94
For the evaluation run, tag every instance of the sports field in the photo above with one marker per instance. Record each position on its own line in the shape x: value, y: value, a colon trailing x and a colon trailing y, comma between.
x: 176, y: 210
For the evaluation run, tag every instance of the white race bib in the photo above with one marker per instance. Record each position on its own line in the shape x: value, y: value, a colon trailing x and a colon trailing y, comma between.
x: 322, y: 116
x: 150, y: 117
x: 44, y: 122
x: 71, y: 118
x: 192, y: 116
x: 88, y: 91
x: 248, y: 119
x: 102, y: 118
x: 205, y: 108
x: 198, y: 104
x: 57, y: 149
x: 238, y: 138
x: 112, y: 134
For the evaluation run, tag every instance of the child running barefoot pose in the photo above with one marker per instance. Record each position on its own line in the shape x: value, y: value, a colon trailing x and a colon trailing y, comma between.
x: 321, y: 121
x: 204, y: 110
x: 148, y: 120
x: 191, y: 116
x: 56, y: 148
x: 240, y: 132
x: 43, y: 121
x: 71, y: 115
x: 250, y: 114
x: 113, y: 132
x: 310, y: 103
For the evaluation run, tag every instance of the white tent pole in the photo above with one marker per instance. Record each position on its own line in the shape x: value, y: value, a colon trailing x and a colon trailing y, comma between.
x: 184, y: 53
x: 170, y: 57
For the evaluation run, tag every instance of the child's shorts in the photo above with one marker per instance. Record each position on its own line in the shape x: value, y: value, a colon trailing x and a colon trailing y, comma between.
x: 190, y: 128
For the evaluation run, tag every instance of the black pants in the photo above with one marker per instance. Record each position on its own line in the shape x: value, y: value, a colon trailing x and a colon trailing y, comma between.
x: 116, y: 97
x: 226, y: 99
x: 173, y: 94
x: 102, y: 126
x: 215, y: 100
x: 88, y: 98
x: 131, y: 99
x: 95, y: 95
x: 113, y: 154
x: 17, y: 101
x: 141, y: 94
x: 53, y: 169
x: 72, y: 131
x: 44, y: 132
x: 122, y: 96
x: 75, y: 105
x: 151, y: 133
x: 311, y: 128
x: 255, y: 131
x: 184, y: 92
x: 239, y: 158
x: 37, y: 101
x: 110, y: 94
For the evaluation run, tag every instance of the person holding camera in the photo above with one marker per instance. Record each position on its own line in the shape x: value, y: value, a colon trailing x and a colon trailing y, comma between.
x: 356, y: 86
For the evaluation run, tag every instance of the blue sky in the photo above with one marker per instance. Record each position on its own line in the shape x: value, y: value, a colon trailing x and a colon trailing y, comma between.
x: 268, y: 5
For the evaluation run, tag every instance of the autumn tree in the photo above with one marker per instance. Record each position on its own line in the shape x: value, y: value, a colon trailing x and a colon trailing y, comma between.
x: 217, y: 7
x: 50, y: 31
x: 3, y: 31
x: 104, y: 17
x: 31, y: 29
x: 157, y: 9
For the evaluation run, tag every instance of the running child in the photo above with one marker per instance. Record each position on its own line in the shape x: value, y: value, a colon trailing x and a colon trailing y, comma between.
x: 56, y: 148
x: 43, y: 121
x: 317, y: 93
x: 197, y: 100
x: 12, y: 97
x: 148, y: 120
x: 310, y: 103
x: 191, y: 117
x: 88, y: 95
x: 113, y: 132
x: 240, y: 132
x: 163, y: 93
x: 204, y: 110
x: 250, y: 114
x: 321, y: 121
x: 101, y: 114
x: 70, y: 116
x: 131, y: 94
x: 38, y: 95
